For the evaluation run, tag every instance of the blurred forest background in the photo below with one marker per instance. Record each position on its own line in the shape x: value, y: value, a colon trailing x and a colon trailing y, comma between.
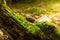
x: 30, y: 20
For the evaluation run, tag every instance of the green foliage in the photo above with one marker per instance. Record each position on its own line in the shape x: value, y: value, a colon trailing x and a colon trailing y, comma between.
x: 49, y: 11
x: 33, y: 10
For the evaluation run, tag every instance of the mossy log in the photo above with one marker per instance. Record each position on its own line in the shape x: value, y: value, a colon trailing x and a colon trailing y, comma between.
x: 18, y: 28
x: 16, y: 25
x: 14, y: 29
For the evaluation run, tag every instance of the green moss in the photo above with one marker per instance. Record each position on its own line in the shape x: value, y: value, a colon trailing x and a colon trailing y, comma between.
x: 45, y: 26
x: 21, y: 20
x: 57, y: 31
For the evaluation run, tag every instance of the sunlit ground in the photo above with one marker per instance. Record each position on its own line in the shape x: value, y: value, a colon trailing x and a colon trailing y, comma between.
x: 53, y: 16
x: 51, y: 12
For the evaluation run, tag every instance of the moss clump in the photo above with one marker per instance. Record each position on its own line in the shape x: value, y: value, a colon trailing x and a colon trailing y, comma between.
x: 46, y: 27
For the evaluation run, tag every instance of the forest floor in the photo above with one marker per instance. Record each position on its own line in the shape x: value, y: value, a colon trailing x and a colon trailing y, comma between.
x: 35, y: 10
x: 38, y: 10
